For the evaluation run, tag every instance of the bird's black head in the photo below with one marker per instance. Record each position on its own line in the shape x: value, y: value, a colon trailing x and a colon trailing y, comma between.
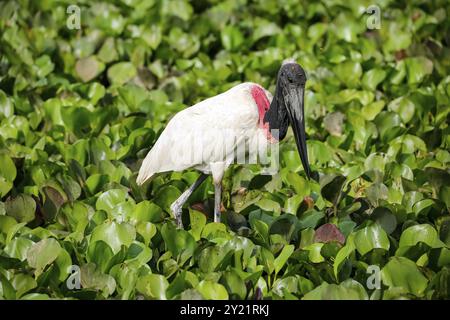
x: 290, y: 94
x: 291, y: 74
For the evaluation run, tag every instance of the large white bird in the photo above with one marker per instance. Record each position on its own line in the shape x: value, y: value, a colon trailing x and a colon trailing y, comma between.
x: 213, y: 133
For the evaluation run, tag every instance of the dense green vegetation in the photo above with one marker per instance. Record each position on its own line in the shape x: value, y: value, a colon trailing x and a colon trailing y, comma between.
x: 79, y: 109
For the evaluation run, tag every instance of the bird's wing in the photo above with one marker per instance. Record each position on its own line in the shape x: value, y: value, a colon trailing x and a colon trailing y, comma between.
x: 203, y: 133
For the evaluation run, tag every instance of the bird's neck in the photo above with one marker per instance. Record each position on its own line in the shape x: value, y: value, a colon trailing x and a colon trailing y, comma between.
x: 276, y: 116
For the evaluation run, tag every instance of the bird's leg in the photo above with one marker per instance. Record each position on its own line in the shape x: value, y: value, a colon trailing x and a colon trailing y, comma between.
x: 177, y: 206
x: 217, y: 200
x: 217, y: 171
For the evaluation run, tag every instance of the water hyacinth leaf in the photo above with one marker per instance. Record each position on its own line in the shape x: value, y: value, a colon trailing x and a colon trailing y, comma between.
x: 371, y: 110
x: 403, y: 107
x: 234, y: 284
x: 179, y: 242
x: 282, y: 258
x: 437, y: 177
x: 153, y: 286
x: 5, y: 186
x: 388, y: 124
x: 371, y: 237
x: 235, y: 221
x: 298, y: 183
x: 54, y: 199
x: 285, y: 287
x: 89, y: 68
x: 417, y: 68
x: 166, y: 196
x: 23, y: 283
x: 96, y: 181
x: 384, y: 217
x: 349, y: 73
x: 284, y: 225
x: 333, y: 123
x: 108, y: 200
x: 444, y: 232
x: 18, y: 248
x: 420, y: 233
x: 267, y: 259
x: 100, y: 253
x: 92, y: 278
x: 77, y: 119
x: 43, y: 253
x: 211, y: 257
x: 310, y: 219
x: 121, y: 72
x: 347, y: 290
x: 147, y: 230
x: 6, y: 105
x: 329, y: 232
x: 404, y: 274
x: 8, y: 170
x: 147, y: 211
x: 231, y: 38
x: 314, y: 252
x: 372, y: 78
x: 22, y: 208
x: 114, y: 234
x: 332, y: 190
x: 377, y: 192
x: 212, y: 291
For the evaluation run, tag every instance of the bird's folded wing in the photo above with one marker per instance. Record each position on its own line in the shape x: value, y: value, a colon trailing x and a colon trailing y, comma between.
x: 204, y: 133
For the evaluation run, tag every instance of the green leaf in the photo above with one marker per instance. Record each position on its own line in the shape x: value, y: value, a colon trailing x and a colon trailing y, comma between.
x: 404, y: 107
x: 315, y: 255
x: 108, y: 200
x: 153, y: 286
x: 371, y: 237
x: 89, y: 68
x: 6, y: 106
x: 23, y: 283
x: 212, y: 291
x: 114, y: 234
x: 22, y: 208
x: 147, y: 211
x: 231, y: 38
x: 121, y: 73
x: 18, y: 248
x: 417, y: 68
x: 347, y: 290
x: 166, y: 196
x: 349, y: 72
x: 91, y: 278
x: 282, y: 258
x: 420, y: 233
x: 198, y: 222
x: 403, y: 274
x: 43, y: 253
x: 234, y: 284
x: 7, y: 168
x: 100, y: 253
x: 372, y: 78
x: 179, y: 242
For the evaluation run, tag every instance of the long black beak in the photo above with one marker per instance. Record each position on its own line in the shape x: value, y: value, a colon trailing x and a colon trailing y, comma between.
x: 295, y: 106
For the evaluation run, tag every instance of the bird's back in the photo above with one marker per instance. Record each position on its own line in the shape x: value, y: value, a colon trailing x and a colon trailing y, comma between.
x: 204, y: 133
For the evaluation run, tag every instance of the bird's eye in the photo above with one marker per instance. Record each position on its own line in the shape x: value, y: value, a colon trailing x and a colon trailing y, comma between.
x: 290, y: 80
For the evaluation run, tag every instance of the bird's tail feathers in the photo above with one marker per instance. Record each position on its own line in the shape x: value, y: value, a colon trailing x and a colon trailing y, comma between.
x: 145, y: 172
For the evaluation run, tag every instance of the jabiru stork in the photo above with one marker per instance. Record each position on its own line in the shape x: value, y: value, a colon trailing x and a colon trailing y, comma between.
x: 196, y: 137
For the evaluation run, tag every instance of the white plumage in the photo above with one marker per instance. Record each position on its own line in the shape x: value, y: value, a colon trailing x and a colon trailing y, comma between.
x: 203, y: 136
